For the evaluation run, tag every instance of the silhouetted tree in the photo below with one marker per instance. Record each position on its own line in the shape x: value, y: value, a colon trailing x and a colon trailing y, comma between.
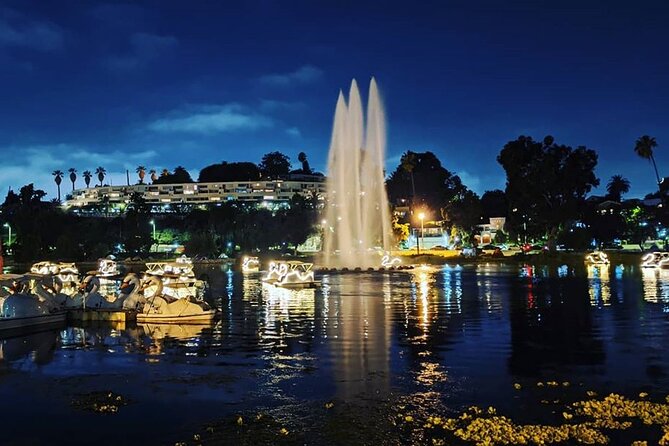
x: 617, y: 186
x: 546, y: 183
x: 100, y: 172
x: 494, y: 204
x: 180, y: 175
x: 87, y: 177
x: 644, y: 148
x: 73, y: 176
x: 225, y: 171
x: 274, y: 165
x: 302, y: 158
x: 58, y: 178
x: 141, y: 173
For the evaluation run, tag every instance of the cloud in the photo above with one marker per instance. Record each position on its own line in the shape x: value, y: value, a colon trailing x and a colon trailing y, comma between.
x: 270, y: 105
x: 19, y: 31
x: 33, y: 164
x: 294, y: 131
x: 144, y: 48
x: 303, y: 75
x: 211, y: 119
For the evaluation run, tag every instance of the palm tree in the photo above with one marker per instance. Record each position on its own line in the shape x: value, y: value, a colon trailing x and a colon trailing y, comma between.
x: 73, y: 176
x: 58, y: 178
x: 87, y: 177
x: 164, y: 173
x: 644, y: 148
x: 408, y: 163
x: 141, y: 172
x: 100, y: 171
x: 153, y: 175
x: 618, y: 185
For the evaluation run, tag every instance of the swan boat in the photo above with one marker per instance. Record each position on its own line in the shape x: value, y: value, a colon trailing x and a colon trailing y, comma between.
x: 128, y: 297
x: 597, y: 258
x: 57, y: 280
x: 291, y: 274
x: 21, y: 309
x: 177, y: 277
x: 160, y: 307
x: 656, y: 259
x: 251, y: 265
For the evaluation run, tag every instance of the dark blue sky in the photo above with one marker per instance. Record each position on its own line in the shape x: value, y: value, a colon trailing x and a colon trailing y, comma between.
x: 169, y: 83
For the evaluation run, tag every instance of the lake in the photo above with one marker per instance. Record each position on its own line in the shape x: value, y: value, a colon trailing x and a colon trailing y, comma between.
x: 339, y: 364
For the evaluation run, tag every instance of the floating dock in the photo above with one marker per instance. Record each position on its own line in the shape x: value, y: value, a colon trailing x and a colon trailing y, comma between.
x: 86, y: 315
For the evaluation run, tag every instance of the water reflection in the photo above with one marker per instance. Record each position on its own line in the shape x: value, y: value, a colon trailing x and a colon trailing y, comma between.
x: 600, y: 286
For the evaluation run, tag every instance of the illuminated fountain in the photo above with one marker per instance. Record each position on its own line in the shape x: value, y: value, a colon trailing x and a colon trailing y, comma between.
x: 357, y: 225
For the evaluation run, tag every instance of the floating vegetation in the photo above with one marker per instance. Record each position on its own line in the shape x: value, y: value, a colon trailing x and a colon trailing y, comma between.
x: 106, y: 402
x: 588, y: 422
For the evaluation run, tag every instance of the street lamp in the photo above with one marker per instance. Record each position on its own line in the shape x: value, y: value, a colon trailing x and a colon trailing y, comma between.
x: 421, y: 216
x: 153, y: 224
x: 9, y: 238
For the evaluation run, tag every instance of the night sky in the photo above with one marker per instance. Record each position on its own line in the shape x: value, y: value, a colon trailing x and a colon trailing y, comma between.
x: 169, y: 83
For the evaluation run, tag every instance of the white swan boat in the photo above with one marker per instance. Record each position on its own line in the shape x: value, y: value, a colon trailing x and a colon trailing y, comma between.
x: 597, y: 258
x: 250, y: 265
x: 291, y: 274
x: 177, y: 277
x: 163, y: 308
x: 656, y: 259
x: 57, y: 280
x: 128, y: 296
x: 20, y: 309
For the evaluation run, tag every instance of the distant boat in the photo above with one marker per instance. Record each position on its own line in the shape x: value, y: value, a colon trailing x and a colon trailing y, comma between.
x: 655, y: 259
x: 291, y: 274
x: 250, y: 265
x: 597, y: 258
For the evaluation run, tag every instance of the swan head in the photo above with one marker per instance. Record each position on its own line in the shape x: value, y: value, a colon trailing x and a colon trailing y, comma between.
x: 130, y: 280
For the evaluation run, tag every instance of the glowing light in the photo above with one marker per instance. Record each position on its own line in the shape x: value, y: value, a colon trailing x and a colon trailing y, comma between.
x: 250, y: 264
x: 387, y: 262
x: 597, y: 258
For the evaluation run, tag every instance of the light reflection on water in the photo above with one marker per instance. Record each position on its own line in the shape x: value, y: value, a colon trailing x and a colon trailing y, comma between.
x: 448, y: 335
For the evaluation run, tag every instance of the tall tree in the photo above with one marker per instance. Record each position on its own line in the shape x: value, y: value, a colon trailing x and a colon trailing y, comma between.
x: 546, y: 183
x: 617, y: 186
x: 494, y: 204
x: 73, y: 176
x: 274, y: 165
x: 87, y: 177
x: 302, y: 158
x: 141, y: 173
x: 58, y: 178
x: 644, y: 148
x: 434, y: 186
x: 101, y: 172
x: 152, y: 172
x: 180, y: 175
x: 409, y: 161
x: 224, y: 171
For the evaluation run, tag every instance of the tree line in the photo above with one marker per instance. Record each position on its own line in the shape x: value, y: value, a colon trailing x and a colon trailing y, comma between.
x: 545, y: 198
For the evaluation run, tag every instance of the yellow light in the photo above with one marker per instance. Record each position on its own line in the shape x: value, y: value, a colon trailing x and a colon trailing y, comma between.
x: 421, y: 215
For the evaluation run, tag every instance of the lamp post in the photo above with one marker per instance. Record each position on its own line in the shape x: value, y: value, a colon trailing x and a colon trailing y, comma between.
x: 9, y: 238
x: 421, y: 216
x: 153, y: 224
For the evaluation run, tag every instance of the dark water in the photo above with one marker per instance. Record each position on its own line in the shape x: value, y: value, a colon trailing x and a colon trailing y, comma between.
x: 437, y: 338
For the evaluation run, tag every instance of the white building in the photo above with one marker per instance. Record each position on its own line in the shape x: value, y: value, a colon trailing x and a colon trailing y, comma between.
x: 267, y: 192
